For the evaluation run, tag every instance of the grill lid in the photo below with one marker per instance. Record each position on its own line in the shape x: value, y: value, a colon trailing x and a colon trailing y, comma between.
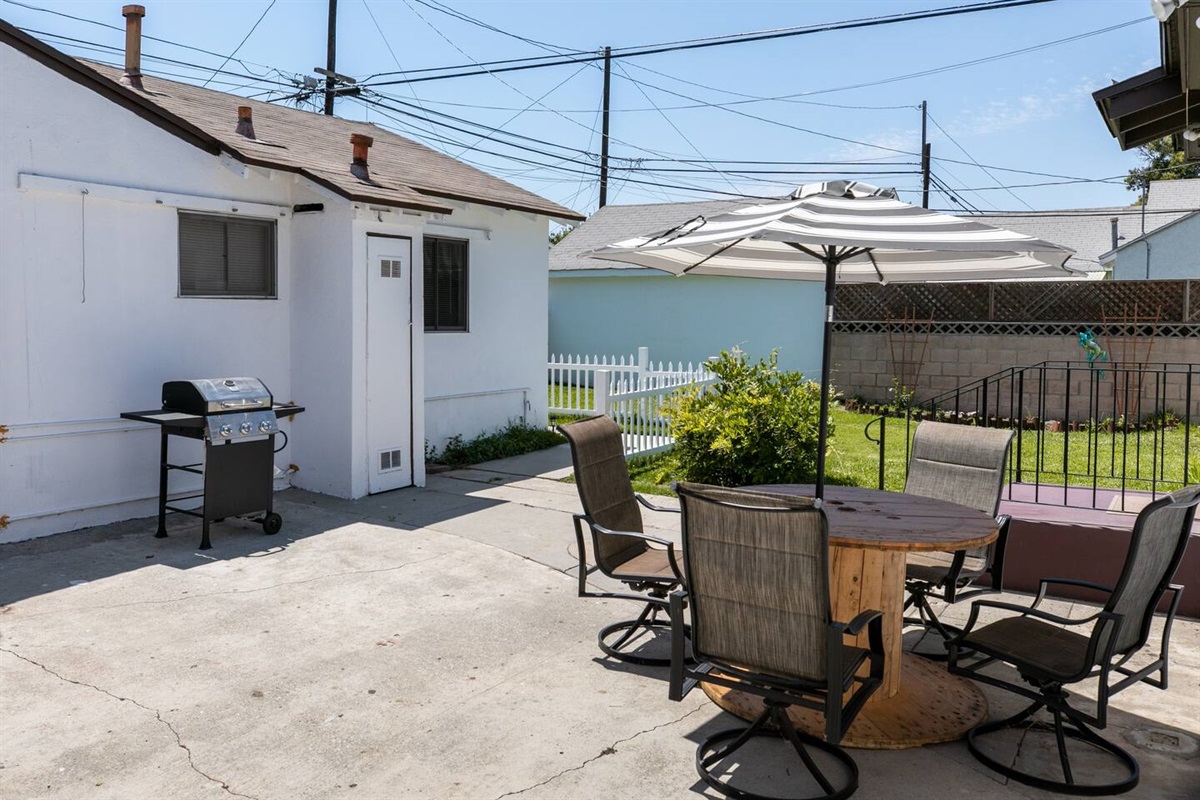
x: 215, y: 395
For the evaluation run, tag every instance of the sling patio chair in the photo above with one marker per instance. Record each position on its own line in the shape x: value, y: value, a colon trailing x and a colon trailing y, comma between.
x: 1049, y: 654
x: 621, y: 549
x: 965, y: 465
x: 757, y: 568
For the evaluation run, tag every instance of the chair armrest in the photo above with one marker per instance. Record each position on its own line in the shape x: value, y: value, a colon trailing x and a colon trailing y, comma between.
x: 854, y: 627
x: 872, y: 620
x: 653, y: 507
x: 1045, y: 582
x: 597, y: 527
x: 1030, y: 611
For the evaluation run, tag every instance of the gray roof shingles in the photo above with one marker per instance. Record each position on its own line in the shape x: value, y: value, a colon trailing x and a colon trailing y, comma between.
x: 614, y: 223
x: 402, y: 172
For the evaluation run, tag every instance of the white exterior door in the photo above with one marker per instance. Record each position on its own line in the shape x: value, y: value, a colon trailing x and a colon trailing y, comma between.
x: 389, y: 363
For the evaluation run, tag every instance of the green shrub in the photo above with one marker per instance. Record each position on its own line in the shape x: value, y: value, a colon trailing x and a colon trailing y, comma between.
x: 756, y: 425
x: 514, y: 440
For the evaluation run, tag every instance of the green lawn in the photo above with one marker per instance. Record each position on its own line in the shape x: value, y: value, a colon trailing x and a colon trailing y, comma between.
x: 853, y: 460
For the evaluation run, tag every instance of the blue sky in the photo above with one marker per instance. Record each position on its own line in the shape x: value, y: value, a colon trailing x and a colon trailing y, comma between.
x: 1027, y: 112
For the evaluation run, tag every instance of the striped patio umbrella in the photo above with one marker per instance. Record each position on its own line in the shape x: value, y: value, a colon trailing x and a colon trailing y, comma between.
x: 841, y: 232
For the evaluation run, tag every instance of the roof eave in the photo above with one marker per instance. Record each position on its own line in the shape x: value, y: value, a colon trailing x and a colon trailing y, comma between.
x: 558, y: 212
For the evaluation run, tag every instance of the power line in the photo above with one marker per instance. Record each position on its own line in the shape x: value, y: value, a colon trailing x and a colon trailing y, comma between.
x: 457, y: 143
x: 999, y: 183
x: 122, y: 30
x: 532, y: 103
x: 941, y: 187
x: 482, y: 68
x: 97, y: 45
x: 253, y: 28
x: 669, y: 121
x: 518, y: 91
x: 388, y: 45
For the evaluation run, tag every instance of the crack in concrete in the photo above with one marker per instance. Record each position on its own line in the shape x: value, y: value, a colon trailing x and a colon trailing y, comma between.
x: 155, y: 712
x: 608, y: 751
x: 186, y: 598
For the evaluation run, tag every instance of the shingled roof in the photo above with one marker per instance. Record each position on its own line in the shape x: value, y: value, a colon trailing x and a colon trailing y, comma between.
x: 614, y: 223
x: 403, y: 173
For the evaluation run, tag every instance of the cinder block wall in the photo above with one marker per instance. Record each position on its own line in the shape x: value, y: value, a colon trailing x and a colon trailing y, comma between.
x: 862, y: 365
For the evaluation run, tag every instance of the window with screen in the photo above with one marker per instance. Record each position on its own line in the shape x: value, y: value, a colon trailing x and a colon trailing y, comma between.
x: 446, y: 272
x: 226, y: 256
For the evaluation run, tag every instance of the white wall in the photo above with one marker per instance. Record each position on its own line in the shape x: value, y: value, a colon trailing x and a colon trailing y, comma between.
x: 321, y: 368
x: 504, y: 352
x: 1169, y: 253
x: 90, y: 324
x: 687, y: 318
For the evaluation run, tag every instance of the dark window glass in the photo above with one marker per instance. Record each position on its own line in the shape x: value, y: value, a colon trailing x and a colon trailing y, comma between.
x: 226, y: 256
x: 446, y: 273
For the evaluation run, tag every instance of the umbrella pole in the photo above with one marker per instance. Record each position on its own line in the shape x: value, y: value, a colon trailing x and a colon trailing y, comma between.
x: 826, y: 358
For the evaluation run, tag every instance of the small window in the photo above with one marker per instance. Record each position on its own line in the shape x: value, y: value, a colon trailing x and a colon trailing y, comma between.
x: 226, y: 256
x: 446, y: 273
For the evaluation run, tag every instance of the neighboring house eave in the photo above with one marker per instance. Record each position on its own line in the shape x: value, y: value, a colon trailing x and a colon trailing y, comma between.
x: 630, y: 271
x: 1162, y: 101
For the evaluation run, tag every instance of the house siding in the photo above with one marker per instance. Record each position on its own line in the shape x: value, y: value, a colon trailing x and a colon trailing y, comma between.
x: 687, y: 319
x: 505, y: 347
x: 1171, y: 252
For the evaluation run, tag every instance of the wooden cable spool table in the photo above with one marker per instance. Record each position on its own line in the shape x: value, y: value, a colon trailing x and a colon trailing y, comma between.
x: 870, y: 533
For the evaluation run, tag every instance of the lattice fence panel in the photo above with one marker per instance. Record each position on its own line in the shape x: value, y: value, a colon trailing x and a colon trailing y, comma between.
x: 1022, y: 302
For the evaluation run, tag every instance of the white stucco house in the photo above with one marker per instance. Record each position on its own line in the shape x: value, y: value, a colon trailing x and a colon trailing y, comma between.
x: 152, y: 231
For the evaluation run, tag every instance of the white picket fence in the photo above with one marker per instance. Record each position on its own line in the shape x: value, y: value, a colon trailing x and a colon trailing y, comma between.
x: 630, y: 389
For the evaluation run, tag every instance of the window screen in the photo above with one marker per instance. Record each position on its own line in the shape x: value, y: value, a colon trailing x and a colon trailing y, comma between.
x: 226, y: 256
x: 446, y: 273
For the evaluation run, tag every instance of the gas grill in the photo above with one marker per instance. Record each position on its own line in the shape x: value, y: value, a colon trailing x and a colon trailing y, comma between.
x: 237, y: 419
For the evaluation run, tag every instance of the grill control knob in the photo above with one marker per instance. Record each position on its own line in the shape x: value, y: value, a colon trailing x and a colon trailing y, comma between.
x: 226, y: 431
x: 266, y: 426
x: 246, y: 428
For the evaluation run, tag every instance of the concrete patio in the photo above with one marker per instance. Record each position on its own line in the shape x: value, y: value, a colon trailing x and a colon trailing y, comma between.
x: 425, y: 643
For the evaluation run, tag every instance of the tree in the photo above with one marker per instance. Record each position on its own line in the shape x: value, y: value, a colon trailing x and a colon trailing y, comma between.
x: 1163, y: 163
x: 559, y: 235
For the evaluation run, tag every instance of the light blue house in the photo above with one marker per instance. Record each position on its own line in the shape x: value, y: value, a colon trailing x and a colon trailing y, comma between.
x: 1167, y: 246
x: 1169, y: 252
x: 600, y: 307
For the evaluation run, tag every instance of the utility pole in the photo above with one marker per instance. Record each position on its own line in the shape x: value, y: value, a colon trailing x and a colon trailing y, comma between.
x: 330, y: 59
x: 604, y: 129
x: 924, y: 158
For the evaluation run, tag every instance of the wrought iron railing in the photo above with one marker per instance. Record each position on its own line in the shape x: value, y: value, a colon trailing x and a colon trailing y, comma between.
x: 1088, y: 435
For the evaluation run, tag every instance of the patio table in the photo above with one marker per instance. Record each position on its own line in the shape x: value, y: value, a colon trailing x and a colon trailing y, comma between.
x: 870, y: 534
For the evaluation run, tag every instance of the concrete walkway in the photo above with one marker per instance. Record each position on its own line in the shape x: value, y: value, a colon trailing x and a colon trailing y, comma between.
x: 418, y: 644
